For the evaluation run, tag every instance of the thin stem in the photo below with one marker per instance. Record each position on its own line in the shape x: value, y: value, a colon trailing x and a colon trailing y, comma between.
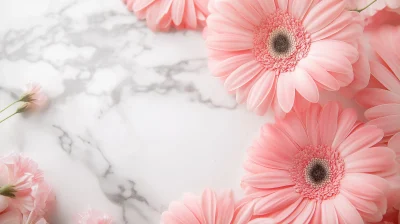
x: 16, y: 112
x: 9, y: 106
x: 360, y: 10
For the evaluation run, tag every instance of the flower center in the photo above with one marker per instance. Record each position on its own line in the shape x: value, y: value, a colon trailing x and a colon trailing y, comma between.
x: 317, y: 172
x: 280, y: 42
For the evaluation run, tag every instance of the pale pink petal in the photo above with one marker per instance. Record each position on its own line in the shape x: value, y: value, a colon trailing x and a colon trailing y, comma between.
x: 227, y: 66
x: 394, y: 143
x: 300, y: 7
x: 229, y: 42
x: 328, y: 123
x: 182, y: 213
x: 286, y: 91
x: 319, y: 74
x: 267, y: 5
x: 282, y: 4
x: 385, y: 76
x: 276, y: 201
x: 334, y: 49
x: 389, y: 124
x: 243, y: 214
x: 371, y: 160
x: 272, y: 179
x: 190, y: 18
x: 308, y: 212
x: 326, y: 12
x: 260, y: 90
x: 226, y: 207
x: 382, y: 111
x: 363, y: 205
x: 363, y: 137
x: 177, y: 11
x: 262, y: 221
x: 232, y: 15
x: 366, y: 186
x: 329, y: 212
x: 346, y: 211
x: 346, y: 123
x: 141, y: 4
x: 335, y: 27
x: 242, y: 75
x: 373, y: 97
x: 339, y: 65
x: 312, y: 124
x: 305, y: 85
x: 293, y: 128
x: 209, y: 205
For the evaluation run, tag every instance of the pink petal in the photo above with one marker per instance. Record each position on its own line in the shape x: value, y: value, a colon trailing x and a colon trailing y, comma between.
x: 385, y: 76
x: 276, y: 201
x: 275, y: 140
x: 305, y: 85
x: 232, y: 15
x: 370, y: 160
x: 335, y: 27
x: 282, y: 4
x: 319, y: 74
x: 227, y: 66
x: 243, y: 214
x: 242, y: 75
x: 348, y: 33
x: 182, y: 213
x: 293, y: 128
x: 366, y: 186
x: 268, y: 6
x: 382, y: 111
x: 329, y: 212
x: 286, y: 91
x: 246, y: 11
x: 361, y: 204
x: 363, y: 137
x: 300, y: 7
x: 220, y: 24
x: 190, y: 18
x: 273, y: 179
x: 307, y: 214
x: 262, y: 221
x: 229, y: 42
x: 328, y: 123
x: 346, y: 122
x: 346, y: 211
x: 286, y: 213
x: 225, y: 208
x: 177, y: 11
x: 394, y: 143
x: 261, y: 89
x: 164, y: 8
x: 333, y: 49
x: 389, y: 124
x: 322, y: 14
x: 332, y: 64
x: 209, y: 205
x: 373, y: 97
x: 297, y: 211
x: 141, y: 4
x: 312, y: 120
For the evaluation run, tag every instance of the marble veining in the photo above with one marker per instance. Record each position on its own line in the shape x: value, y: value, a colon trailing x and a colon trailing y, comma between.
x: 135, y: 119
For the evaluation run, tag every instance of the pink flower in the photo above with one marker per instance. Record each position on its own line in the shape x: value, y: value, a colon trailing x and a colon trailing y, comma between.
x: 320, y: 166
x: 374, y: 8
x: 391, y: 217
x: 34, y: 98
x: 270, y: 53
x: 94, y: 217
x: 164, y: 14
x: 383, y: 99
x: 210, y: 208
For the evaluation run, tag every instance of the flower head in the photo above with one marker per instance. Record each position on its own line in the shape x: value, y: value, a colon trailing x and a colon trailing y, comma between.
x: 164, y: 14
x: 34, y: 98
x: 382, y: 98
x: 210, y: 207
x: 320, y: 166
x: 274, y: 53
x: 94, y: 217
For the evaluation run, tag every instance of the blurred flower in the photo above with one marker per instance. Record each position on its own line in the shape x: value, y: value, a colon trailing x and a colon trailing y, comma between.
x: 34, y: 98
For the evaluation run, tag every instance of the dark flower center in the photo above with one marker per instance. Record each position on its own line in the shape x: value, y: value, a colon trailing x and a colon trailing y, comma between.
x: 318, y: 173
x: 281, y: 43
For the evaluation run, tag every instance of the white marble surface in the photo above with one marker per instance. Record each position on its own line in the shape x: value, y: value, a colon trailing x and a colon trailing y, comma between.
x: 135, y: 118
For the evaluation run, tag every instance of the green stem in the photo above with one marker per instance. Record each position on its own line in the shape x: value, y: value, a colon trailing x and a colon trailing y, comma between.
x: 16, y: 112
x: 9, y: 106
x: 360, y: 10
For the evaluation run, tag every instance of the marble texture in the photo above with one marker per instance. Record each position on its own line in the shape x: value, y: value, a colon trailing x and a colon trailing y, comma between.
x: 135, y: 118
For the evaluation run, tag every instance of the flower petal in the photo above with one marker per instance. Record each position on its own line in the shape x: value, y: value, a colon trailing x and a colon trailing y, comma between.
x: 346, y: 122
x: 286, y: 91
x: 389, y: 124
x: 322, y: 14
x: 305, y: 85
x: 260, y: 90
x: 209, y: 205
x: 319, y: 74
x: 242, y: 75
x: 373, y: 97
x: 328, y: 123
x: 346, y: 211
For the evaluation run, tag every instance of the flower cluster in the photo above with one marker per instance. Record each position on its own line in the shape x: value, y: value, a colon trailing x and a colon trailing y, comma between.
x: 315, y: 164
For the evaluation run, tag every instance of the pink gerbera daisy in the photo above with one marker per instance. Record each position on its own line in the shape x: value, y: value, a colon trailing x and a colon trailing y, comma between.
x: 210, y: 208
x: 383, y: 100
x: 267, y: 50
x: 164, y: 14
x: 320, y: 166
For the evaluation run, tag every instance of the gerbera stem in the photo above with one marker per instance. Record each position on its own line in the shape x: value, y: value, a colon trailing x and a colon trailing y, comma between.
x: 10, y: 105
x: 360, y: 10
x: 16, y: 112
